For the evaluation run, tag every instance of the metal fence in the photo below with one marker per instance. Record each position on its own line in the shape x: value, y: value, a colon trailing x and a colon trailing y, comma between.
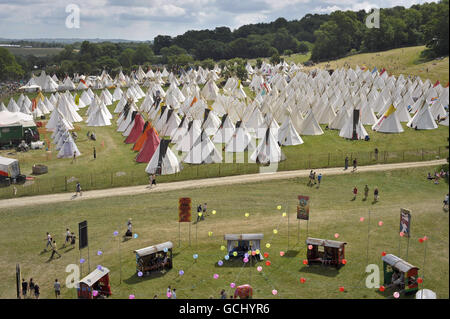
x: 108, y: 179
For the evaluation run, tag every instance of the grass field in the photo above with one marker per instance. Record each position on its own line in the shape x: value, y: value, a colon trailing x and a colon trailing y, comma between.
x: 38, y: 52
x: 22, y: 237
x: 115, y: 164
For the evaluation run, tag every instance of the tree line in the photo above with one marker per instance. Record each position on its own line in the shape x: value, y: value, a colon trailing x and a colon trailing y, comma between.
x: 326, y: 36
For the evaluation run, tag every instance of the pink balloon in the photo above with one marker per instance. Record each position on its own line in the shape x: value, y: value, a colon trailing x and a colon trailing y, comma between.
x: 425, y: 237
x: 169, y: 294
x: 274, y: 292
x: 336, y: 235
x: 361, y: 219
x: 380, y: 223
x: 259, y: 268
x: 402, y: 234
x: 131, y: 297
x: 310, y: 247
x: 396, y: 294
x: 281, y: 253
x: 216, y: 276
x: 232, y: 285
x: 94, y: 293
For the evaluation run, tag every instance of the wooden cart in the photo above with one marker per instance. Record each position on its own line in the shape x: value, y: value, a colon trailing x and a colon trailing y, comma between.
x: 97, y: 280
x: 325, y: 252
x: 400, y: 275
x: 154, y: 258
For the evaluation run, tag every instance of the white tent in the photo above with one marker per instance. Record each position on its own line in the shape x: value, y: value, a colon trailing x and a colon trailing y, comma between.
x: 349, y: 127
x: 287, y: 135
x: 268, y: 150
x: 388, y: 122
x: 241, y: 140
x: 225, y: 131
x: 423, y: 119
x: 310, y: 126
x: 203, y: 151
x: 163, y: 161
x: 68, y: 149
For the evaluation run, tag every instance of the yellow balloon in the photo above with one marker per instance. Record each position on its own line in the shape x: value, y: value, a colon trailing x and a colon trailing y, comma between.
x: 222, y: 247
x: 257, y: 251
x: 268, y: 245
x: 247, y: 214
x: 235, y: 253
x: 213, y: 212
x: 275, y: 231
x: 200, y: 214
x: 284, y: 215
x: 279, y: 207
x: 210, y: 233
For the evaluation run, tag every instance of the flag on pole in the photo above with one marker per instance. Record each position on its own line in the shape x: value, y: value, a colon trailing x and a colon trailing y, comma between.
x: 374, y: 70
x: 193, y: 101
x: 436, y: 84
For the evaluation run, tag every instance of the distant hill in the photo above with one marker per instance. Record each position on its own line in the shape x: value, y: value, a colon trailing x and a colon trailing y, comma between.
x: 65, y: 40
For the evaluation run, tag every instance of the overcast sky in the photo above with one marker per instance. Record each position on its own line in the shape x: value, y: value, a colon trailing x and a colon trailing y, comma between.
x: 145, y: 19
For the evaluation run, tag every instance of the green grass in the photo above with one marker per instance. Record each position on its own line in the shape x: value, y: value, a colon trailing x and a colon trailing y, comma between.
x: 115, y: 158
x: 38, y: 52
x: 22, y: 237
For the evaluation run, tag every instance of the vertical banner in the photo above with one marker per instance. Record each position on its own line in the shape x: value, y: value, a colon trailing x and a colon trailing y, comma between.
x: 405, y: 221
x: 184, y: 210
x: 303, y: 207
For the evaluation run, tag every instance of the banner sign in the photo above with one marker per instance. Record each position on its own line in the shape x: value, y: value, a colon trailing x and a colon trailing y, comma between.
x: 303, y: 207
x: 405, y: 221
x: 184, y: 210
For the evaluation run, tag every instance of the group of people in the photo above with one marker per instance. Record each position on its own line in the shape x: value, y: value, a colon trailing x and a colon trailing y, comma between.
x: 30, y: 289
x: 366, y: 193
x: 50, y: 242
x: 203, y: 210
x: 437, y: 176
x: 355, y: 164
x: 312, y: 178
x: 171, y: 293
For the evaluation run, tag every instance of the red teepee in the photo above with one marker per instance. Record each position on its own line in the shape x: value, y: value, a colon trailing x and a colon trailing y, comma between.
x: 149, y: 147
x: 136, y: 131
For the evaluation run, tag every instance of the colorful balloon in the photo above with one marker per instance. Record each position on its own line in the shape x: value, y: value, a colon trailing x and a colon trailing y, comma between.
x: 99, y: 253
x: 131, y: 296
x: 181, y: 272
x: 382, y: 288
x: 220, y: 262
x: 210, y: 233
x: 140, y: 274
x: 419, y: 280
x: 99, y: 267
x: 268, y: 263
x: 275, y: 231
x: 396, y: 295
x: 216, y: 276
x: 227, y: 257
x: 344, y: 261
x: 165, y: 250
x: 274, y: 292
x: 302, y: 280
x: 380, y: 223
x: 246, y: 214
x: 82, y: 260
x: 266, y: 255
x: 257, y: 251
x: 402, y: 234
x: 135, y: 236
x: 279, y: 207
x: 213, y: 212
x: 341, y: 289
x: 116, y: 233
x: 195, y: 256
x: 361, y: 219
x: 383, y: 253
x: 268, y: 245
x: 336, y: 235
x: 232, y: 285
x: 310, y: 247
x: 94, y: 293
x: 259, y: 268
x: 222, y: 247
x: 281, y: 253
x: 305, y: 261
x: 284, y: 214
x: 234, y: 253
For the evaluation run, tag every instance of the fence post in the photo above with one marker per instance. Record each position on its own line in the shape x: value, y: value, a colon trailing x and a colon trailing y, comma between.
x: 422, y: 154
x: 91, y: 180
x: 328, y: 159
x: 65, y: 183
x: 111, y: 178
x: 219, y: 169
x: 439, y: 152
x: 403, y: 156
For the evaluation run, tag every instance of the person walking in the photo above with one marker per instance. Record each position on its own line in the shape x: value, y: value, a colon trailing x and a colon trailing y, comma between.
x: 375, y: 194
x: 95, y: 153
x: 174, y: 294
x: 355, y: 163
x: 31, y: 287
x: 37, y: 291
x: 319, y: 179
x: 223, y: 294
x: 154, y: 180
x: 24, y: 288
x: 205, y: 208
x: 310, y: 178
x: 314, y: 178
x: 68, y: 237
x: 78, y: 189
x: 74, y: 157
x: 72, y: 239
x: 57, y: 287
x: 355, y: 192
x: 199, y: 210
x: 376, y: 154
x: 169, y: 292
x: 129, y: 232
x: 49, y: 241
x: 150, y: 182
x: 366, y: 192
x: 54, y: 250
x: 346, y: 163
x: 446, y: 199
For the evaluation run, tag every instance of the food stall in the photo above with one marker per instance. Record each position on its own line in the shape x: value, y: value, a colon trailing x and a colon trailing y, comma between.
x: 95, y: 285
x: 399, y: 274
x: 10, y: 172
x: 243, y: 243
x: 325, y: 252
x: 154, y: 258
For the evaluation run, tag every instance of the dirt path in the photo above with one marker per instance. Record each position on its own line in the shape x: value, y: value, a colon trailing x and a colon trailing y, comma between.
x: 209, y: 182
